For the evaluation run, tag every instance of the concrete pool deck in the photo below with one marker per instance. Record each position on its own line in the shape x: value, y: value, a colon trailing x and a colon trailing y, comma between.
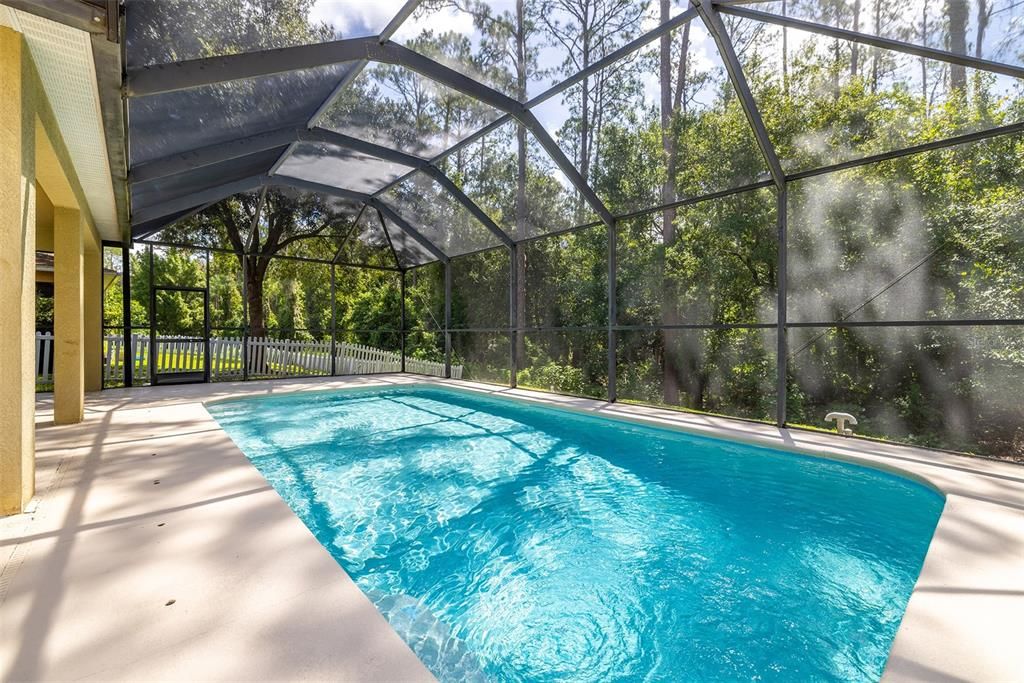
x: 86, y: 576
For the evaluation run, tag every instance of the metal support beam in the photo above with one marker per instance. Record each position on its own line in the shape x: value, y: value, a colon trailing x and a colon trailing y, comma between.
x: 153, y: 352
x: 209, y: 155
x: 387, y: 235
x: 402, y: 341
x: 83, y: 16
x: 877, y: 41
x: 334, y: 322
x: 513, y: 337
x: 448, y: 319
x: 739, y: 82
x: 126, y: 313
x: 344, y: 240
x: 152, y: 229
x: 372, y: 149
x: 190, y: 201
x: 612, y: 313
x: 782, y: 343
x: 396, y: 22
x: 206, y: 323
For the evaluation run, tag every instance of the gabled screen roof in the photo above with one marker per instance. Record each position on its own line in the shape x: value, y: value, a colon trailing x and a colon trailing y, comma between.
x: 451, y: 127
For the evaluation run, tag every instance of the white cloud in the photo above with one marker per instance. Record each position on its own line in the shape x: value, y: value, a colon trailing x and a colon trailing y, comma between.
x: 438, y: 21
x: 353, y: 18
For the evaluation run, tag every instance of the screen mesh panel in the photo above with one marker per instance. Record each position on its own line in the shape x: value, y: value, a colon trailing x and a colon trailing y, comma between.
x: 716, y: 263
x: 160, y: 31
x: 397, y: 108
x: 954, y: 388
x: 711, y: 148
x: 368, y: 243
x: 524, y: 201
x: 480, y: 293
x: 436, y: 215
x: 183, y: 120
x: 730, y: 372
x: 886, y: 242
x: 890, y: 100
x: 340, y: 167
x: 183, y: 184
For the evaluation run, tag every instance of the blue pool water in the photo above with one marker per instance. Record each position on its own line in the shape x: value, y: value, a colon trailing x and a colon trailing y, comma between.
x: 517, y: 543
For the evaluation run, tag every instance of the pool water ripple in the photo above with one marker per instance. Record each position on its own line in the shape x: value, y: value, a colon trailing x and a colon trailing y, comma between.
x: 519, y: 543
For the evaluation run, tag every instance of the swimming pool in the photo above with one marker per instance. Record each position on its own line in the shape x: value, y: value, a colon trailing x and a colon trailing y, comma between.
x: 508, y: 541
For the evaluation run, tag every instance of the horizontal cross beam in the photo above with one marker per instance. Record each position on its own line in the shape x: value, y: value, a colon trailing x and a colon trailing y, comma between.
x: 190, y: 201
x: 876, y: 41
x: 209, y: 155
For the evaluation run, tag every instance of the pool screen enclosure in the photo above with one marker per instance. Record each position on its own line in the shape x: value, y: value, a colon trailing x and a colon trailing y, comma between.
x: 761, y: 209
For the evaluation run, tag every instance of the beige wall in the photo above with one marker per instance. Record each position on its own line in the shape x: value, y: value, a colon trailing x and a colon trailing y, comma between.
x: 17, y: 288
x: 33, y: 155
x: 44, y: 221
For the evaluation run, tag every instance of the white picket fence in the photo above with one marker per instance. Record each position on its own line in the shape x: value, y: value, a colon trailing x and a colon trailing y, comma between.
x: 44, y: 358
x: 264, y: 358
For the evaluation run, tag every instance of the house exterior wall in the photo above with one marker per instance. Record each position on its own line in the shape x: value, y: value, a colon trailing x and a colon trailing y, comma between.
x: 32, y: 152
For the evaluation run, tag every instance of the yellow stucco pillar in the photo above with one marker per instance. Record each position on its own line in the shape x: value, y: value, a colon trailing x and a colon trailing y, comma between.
x: 93, y: 310
x: 68, y: 316
x: 17, y: 280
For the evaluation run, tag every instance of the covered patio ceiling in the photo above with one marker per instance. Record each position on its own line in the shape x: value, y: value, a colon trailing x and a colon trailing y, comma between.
x: 205, y: 128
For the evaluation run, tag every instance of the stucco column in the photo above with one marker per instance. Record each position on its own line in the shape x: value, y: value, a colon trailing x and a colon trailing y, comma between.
x: 17, y: 281
x: 93, y: 309
x: 68, y: 317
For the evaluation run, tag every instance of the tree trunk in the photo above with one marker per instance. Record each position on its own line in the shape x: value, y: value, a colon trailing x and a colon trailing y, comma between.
x: 854, y: 47
x: 785, y: 54
x: 669, y: 314
x: 984, y: 14
x: 956, y: 13
x: 876, y: 54
x: 254, y: 277
x: 679, y: 102
x: 521, y: 222
x: 924, y: 62
x: 585, y: 111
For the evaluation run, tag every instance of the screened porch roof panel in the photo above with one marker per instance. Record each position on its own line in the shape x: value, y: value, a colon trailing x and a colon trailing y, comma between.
x: 395, y: 113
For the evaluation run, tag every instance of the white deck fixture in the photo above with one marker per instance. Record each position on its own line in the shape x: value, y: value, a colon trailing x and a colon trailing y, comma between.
x: 841, y: 420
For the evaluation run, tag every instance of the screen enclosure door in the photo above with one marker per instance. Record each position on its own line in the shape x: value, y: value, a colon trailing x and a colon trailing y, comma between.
x: 179, y: 335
